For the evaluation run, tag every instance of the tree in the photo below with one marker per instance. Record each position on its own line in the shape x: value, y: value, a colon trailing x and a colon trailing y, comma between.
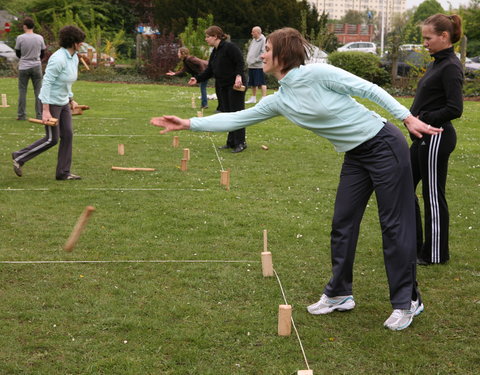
x: 471, y: 26
x: 412, y: 33
x: 353, y: 17
x: 235, y: 17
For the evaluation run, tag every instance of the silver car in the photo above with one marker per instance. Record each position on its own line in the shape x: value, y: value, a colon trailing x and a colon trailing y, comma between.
x: 368, y: 47
x: 7, y: 52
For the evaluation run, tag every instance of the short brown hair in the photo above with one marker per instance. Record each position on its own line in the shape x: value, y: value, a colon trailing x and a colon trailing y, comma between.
x: 451, y: 24
x: 289, y: 48
x: 69, y: 35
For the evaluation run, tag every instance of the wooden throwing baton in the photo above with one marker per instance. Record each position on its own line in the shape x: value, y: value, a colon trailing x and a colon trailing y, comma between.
x: 51, y: 122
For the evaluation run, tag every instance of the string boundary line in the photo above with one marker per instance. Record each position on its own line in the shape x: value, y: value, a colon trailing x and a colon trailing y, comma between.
x: 293, y: 322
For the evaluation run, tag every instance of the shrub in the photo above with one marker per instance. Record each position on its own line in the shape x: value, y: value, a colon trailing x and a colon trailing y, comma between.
x: 364, y: 65
x: 160, y: 55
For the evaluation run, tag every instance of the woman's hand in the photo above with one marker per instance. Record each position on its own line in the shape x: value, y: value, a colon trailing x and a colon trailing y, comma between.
x: 170, y: 73
x: 192, y: 81
x: 170, y: 123
x: 238, y: 81
x: 417, y: 127
x: 46, y: 115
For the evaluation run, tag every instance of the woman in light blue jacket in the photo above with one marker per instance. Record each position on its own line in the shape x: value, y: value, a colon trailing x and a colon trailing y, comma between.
x: 57, y: 102
x: 318, y: 97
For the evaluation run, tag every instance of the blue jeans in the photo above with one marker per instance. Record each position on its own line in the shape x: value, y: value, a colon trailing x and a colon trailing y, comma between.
x: 35, y: 74
x: 203, y: 92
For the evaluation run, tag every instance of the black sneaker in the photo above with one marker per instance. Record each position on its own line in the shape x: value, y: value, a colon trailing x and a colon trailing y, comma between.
x: 69, y: 177
x: 17, y: 168
x: 239, y: 148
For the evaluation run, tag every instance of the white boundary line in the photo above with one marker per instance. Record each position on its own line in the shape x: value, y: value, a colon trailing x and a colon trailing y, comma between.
x: 122, y: 261
x: 293, y: 322
x: 84, y: 135
x: 216, y: 152
x: 107, y: 189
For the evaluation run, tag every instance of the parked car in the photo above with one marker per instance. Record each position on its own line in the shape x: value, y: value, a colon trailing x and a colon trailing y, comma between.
x: 317, y: 56
x: 407, y: 61
x: 411, y: 47
x: 368, y: 47
x: 7, y: 52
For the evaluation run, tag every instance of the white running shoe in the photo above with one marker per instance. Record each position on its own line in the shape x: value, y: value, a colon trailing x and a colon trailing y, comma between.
x: 328, y: 304
x: 252, y: 100
x: 401, y: 319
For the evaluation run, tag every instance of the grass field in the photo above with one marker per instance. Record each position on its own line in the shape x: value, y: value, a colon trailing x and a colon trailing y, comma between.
x: 183, y: 316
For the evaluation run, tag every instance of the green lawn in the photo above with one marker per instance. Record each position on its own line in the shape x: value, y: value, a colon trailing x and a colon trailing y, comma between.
x: 217, y: 317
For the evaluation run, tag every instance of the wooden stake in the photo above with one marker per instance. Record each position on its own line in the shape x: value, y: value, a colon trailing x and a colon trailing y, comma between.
x: 77, y: 230
x: 284, y: 320
x: 84, y: 63
x: 305, y: 372
x: 132, y: 169
x: 4, y: 101
x: 186, y: 153
x: 264, y: 147
x: 51, y: 122
x: 265, y: 240
x: 225, y: 179
x: 183, y: 166
x: 121, y: 149
x: 200, y: 113
x: 194, y: 105
x: 175, y: 142
x: 267, y: 264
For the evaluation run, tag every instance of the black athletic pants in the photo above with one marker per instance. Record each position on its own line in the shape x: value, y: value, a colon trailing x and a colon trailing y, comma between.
x: 230, y: 100
x: 380, y: 165
x: 430, y: 156
x: 64, y: 131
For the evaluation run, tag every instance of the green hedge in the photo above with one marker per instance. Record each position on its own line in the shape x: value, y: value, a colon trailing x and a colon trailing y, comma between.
x: 362, y: 64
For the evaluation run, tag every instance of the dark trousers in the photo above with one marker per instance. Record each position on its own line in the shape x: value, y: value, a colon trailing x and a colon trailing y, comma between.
x: 34, y: 74
x: 430, y: 156
x: 380, y: 165
x: 230, y: 100
x: 63, y: 131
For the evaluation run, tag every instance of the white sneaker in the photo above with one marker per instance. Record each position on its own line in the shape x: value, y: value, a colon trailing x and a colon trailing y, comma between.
x: 328, y: 304
x: 252, y: 100
x: 401, y: 319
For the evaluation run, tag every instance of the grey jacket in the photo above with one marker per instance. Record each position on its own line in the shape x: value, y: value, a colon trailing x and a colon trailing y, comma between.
x: 255, y: 50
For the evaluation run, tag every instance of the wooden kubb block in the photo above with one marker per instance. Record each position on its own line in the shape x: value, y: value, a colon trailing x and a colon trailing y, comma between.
x: 267, y: 264
x: 175, y: 141
x: 183, y: 165
x: 121, y: 149
x: 305, y: 372
x: 284, y: 320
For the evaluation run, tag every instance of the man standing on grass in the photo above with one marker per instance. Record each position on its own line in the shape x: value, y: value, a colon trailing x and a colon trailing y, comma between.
x: 256, y: 77
x: 30, y: 48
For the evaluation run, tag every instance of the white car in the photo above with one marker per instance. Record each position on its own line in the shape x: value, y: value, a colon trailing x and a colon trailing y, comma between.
x: 368, y: 47
x: 8, y: 52
x: 411, y: 47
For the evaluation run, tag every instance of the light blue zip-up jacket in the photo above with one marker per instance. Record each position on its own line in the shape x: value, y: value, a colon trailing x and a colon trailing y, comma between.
x: 317, y: 97
x: 60, y: 74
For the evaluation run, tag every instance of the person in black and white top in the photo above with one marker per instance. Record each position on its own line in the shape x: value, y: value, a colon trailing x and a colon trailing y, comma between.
x: 438, y: 101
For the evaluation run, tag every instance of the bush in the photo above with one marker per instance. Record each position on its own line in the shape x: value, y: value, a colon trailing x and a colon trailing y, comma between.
x: 364, y: 65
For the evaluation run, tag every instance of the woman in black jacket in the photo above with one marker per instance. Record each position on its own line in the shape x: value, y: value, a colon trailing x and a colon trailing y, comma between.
x: 226, y: 66
x: 439, y: 99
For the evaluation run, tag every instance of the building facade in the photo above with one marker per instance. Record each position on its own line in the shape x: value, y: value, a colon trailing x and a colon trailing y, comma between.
x: 338, y: 8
